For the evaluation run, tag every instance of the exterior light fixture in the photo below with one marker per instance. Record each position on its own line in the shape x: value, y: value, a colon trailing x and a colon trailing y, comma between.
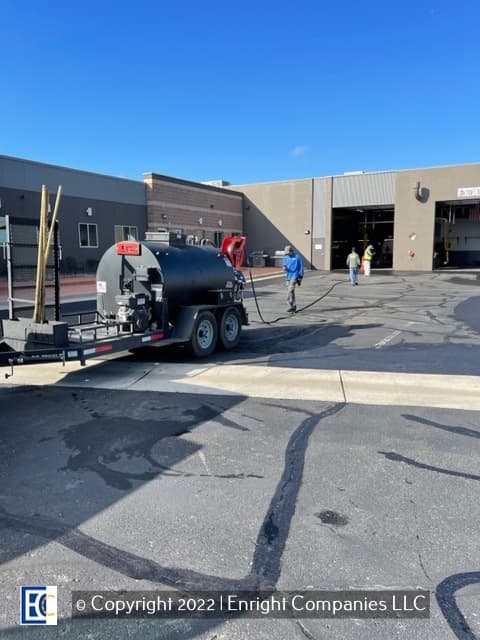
x: 419, y: 192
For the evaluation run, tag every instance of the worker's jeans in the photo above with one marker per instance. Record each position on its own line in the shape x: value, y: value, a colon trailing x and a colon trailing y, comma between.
x: 291, y: 292
x: 353, y: 275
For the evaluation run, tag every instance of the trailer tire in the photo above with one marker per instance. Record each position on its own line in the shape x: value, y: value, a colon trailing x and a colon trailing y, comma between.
x: 230, y: 329
x: 204, y: 335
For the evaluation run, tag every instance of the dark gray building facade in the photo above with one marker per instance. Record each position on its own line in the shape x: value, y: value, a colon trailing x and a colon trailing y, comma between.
x: 95, y: 210
x: 98, y: 210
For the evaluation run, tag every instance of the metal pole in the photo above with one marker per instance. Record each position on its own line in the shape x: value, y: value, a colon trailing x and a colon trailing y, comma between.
x: 312, y: 216
x: 8, y: 239
x: 56, y: 266
x: 39, y: 309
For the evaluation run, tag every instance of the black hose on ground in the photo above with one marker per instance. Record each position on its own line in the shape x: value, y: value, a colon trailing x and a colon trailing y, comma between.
x: 299, y: 311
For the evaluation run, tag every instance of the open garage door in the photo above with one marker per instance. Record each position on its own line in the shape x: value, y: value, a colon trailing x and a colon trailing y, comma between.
x: 359, y: 227
x: 457, y: 234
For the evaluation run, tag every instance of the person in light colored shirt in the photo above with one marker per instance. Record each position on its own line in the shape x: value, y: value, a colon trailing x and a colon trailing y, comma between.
x: 353, y: 262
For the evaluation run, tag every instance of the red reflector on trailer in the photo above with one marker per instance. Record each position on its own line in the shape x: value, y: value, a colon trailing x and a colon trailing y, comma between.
x: 153, y: 336
x: 103, y: 347
x: 128, y: 248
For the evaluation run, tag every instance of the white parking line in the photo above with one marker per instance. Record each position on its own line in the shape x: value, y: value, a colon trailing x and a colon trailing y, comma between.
x: 201, y: 455
x: 384, y: 341
x: 389, y: 338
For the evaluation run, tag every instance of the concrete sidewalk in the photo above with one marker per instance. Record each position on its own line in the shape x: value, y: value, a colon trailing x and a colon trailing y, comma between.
x: 261, y: 381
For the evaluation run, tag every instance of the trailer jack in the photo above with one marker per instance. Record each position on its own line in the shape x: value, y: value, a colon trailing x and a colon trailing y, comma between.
x: 11, y: 362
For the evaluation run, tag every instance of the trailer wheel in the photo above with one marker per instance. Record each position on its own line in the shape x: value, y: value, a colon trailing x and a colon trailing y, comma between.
x: 230, y: 328
x: 204, y: 334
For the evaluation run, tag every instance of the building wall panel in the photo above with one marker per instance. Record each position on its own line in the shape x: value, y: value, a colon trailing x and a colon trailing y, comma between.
x: 279, y: 213
x: 369, y: 189
x: 322, y: 219
x: 415, y: 218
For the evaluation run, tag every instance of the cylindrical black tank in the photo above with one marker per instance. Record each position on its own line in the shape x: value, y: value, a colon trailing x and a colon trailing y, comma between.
x: 181, y: 274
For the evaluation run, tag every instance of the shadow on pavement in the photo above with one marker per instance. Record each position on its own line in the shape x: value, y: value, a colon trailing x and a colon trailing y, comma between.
x: 84, y: 448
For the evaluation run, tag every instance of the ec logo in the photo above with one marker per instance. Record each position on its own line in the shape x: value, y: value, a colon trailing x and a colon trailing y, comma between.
x: 38, y: 605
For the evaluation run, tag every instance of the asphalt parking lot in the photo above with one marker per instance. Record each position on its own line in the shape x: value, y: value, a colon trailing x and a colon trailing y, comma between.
x: 336, y: 449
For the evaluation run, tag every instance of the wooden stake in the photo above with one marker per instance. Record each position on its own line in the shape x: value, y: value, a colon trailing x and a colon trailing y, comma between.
x: 52, y: 224
x: 39, y: 308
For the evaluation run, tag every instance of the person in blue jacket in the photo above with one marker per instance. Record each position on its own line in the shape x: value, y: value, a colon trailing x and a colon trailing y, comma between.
x: 293, y: 267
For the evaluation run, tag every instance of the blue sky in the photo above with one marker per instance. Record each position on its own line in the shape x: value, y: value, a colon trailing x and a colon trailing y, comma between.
x: 249, y: 91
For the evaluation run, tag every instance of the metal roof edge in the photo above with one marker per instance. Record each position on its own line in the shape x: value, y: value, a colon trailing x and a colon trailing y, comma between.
x: 61, y: 167
x: 191, y: 183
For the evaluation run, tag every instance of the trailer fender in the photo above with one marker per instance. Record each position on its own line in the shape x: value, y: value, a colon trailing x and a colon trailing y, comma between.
x: 183, y: 329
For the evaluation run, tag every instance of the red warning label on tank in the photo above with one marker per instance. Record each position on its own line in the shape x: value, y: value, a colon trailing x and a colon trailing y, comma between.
x: 128, y: 248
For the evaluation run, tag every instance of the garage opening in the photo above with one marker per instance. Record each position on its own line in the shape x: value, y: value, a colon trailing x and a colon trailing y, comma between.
x: 457, y: 234
x: 359, y: 227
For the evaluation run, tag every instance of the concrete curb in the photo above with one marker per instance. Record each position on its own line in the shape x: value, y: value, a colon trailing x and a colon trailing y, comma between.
x: 356, y: 387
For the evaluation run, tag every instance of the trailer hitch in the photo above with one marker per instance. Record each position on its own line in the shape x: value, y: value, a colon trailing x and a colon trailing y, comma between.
x: 22, y: 360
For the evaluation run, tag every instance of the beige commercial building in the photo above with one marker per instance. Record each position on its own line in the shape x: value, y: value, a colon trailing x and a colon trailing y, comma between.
x: 416, y: 219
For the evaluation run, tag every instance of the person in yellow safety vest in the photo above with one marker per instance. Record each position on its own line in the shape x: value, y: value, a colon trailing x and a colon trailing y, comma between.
x: 367, y: 259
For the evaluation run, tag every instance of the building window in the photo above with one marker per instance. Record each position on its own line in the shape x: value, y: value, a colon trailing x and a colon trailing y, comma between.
x: 88, y: 235
x: 218, y: 238
x: 124, y: 232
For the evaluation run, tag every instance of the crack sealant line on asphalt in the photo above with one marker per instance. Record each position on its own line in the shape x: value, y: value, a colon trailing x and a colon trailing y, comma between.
x: 343, y: 388
x: 141, y: 377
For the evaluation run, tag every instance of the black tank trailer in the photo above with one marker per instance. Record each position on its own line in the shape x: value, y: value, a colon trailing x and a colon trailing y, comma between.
x: 147, y: 293
x: 190, y: 293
